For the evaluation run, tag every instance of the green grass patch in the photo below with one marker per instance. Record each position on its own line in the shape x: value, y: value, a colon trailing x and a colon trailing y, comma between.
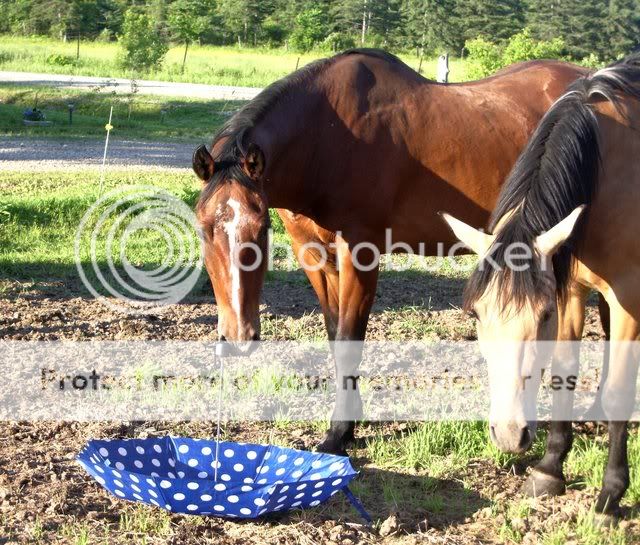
x: 439, y: 447
x: 588, y: 458
x: 134, y: 116
x: 205, y: 64
x: 585, y: 531
x: 144, y: 521
x: 40, y: 214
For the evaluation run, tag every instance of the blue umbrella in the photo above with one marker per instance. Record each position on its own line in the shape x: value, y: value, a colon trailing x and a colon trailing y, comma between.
x: 208, y: 477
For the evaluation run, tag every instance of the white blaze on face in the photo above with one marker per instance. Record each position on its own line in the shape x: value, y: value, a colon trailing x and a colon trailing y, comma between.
x: 231, y: 228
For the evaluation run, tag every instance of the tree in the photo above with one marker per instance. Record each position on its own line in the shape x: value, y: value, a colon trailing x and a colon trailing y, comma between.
x: 245, y: 17
x: 434, y: 25
x: 143, y: 48
x: 347, y: 16
x: 622, y: 27
x: 187, y: 20
x: 491, y: 19
x: 309, y: 29
x: 547, y: 19
x: 582, y: 25
x: 384, y: 22
x: 585, y: 32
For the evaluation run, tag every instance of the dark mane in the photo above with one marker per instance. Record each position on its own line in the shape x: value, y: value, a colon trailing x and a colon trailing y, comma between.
x: 557, y: 172
x: 234, y: 131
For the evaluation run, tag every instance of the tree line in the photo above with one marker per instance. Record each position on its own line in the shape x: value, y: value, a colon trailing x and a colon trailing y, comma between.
x: 605, y: 29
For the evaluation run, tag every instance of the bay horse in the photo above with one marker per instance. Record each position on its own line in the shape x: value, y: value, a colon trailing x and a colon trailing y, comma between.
x: 345, y: 148
x: 583, y: 154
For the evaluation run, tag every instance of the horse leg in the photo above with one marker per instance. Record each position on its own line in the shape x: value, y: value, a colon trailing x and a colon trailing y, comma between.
x: 618, y: 400
x: 547, y: 477
x: 324, y: 282
x: 356, y: 292
x: 595, y: 411
x: 307, y: 240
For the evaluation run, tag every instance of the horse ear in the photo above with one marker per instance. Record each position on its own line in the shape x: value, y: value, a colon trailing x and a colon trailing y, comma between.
x: 203, y: 164
x: 478, y: 241
x: 254, y: 161
x: 548, y: 243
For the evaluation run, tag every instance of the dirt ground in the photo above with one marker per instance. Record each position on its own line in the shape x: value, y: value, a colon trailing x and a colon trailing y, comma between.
x: 46, y: 497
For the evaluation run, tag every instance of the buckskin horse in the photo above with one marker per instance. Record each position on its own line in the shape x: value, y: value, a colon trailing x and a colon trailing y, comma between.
x: 583, y: 154
x: 345, y: 148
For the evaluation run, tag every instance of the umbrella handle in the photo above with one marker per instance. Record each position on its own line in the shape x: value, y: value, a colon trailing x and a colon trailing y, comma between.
x: 217, y: 355
x: 357, y: 505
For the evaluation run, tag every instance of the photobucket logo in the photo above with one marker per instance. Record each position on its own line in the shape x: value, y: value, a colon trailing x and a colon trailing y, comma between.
x: 121, y: 231
x: 314, y: 256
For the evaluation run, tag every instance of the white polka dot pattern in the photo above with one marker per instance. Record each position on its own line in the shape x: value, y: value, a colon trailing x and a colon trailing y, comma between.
x: 178, y: 474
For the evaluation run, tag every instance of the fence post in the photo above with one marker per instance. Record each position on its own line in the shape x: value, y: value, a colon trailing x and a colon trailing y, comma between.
x: 442, y: 75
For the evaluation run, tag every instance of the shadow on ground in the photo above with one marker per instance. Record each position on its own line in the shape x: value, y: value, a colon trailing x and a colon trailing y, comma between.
x: 289, y: 291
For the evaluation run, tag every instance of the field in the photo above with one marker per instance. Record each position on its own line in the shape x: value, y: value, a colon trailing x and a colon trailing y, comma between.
x: 205, y: 64
x: 422, y: 482
x: 134, y: 116
x: 429, y: 482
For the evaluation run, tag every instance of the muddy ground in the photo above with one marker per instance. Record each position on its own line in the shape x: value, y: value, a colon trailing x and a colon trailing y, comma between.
x: 45, y: 497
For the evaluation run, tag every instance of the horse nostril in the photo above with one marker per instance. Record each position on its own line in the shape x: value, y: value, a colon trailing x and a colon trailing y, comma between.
x: 525, y: 439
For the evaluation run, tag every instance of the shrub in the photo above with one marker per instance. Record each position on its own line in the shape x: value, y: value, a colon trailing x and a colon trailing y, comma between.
x: 309, y: 30
x: 377, y: 40
x: 522, y: 47
x: 56, y: 59
x: 592, y: 61
x: 485, y: 57
x: 337, y: 41
x: 105, y: 36
x: 274, y: 32
x: 143, y: 47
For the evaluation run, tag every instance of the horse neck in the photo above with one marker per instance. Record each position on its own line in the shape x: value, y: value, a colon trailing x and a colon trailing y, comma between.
x: 283, y: 137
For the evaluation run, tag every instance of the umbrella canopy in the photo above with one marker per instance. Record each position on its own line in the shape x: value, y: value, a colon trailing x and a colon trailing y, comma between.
x: 247, y: 481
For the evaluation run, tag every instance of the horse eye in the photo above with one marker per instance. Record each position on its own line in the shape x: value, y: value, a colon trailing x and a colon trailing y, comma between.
x: 546, y: 315
x: 472, y: 314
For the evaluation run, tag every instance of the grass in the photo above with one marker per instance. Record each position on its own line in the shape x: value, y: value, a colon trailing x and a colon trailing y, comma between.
x: 40, y: 213
x: 40, y: 216
x: 76, y: 534
x: 587, y: 459
x: 585, y: 531
x: 143, y: 520
x: 135, y: 116
x: 205, y: 64
x: 421, y: 469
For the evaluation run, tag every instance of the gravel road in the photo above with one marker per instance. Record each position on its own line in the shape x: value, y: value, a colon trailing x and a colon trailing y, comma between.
x: 53, y: 154
x: 145, y: 87
x: 18, y: 153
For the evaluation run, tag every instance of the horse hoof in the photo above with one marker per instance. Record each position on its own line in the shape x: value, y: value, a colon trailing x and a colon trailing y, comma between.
x: 330, y: 446
x: 540, y: 484
x: 605, y: 520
